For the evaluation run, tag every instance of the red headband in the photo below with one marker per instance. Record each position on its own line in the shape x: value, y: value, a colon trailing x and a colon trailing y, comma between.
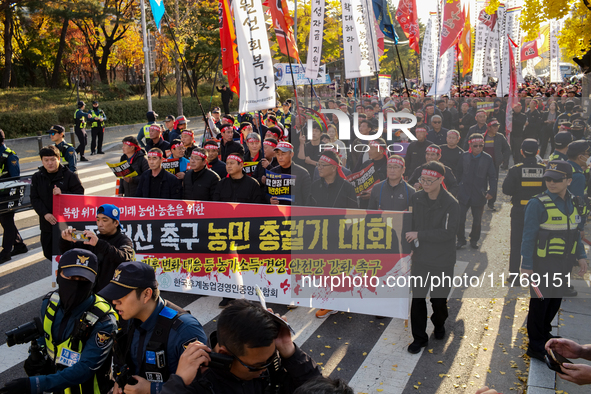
x: 334, y: 163
x: 197, y: 153
x: 380, y: 147
x: 176, y: 146
x: 211, y: 146
x: 493, y: 123
x: 433, y: 149
x: 129, y: 143
x: 156, y: 127
x: 395, y: 160
x: 188, y: 132
x: 154, y: 154
x: 234, y: 157
x: 251, y: 140
x: 269, y: 143
x: 431, y: 173
x: 476, y: 140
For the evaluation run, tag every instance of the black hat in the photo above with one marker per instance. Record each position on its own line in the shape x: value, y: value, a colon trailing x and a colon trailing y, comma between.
x: 169, y: 118
x: 80, y: 104
x: 129, y: 276
x: 530, y: 146
x: 247, y: 118
x: 562, y: 140
x: 216, y: 110
x: 578, y: 108
x: 576, y: 148
x: 578, y: 124
x: 56, y: 129
x: 151, y: 115
x: 95, y: 102
x: 558, y: 169
x: 79, y: 262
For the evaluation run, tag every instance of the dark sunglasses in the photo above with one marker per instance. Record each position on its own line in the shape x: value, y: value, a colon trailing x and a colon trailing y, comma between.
x: 477, y: 146
x: 548, y: 179
x: 267, y: 364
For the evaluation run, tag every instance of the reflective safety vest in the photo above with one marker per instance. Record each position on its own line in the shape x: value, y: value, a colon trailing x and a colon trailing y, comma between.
x: 97, y: 114
x: 558, y: 233
x: 67, y: 353
x: 146, y: 129
x: 80, y: 123
x: 531, y: 183
x: 3, y: 160
x: 63, y: 150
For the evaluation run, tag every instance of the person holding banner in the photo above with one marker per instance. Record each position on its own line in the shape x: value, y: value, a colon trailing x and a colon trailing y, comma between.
x: 212, y: 148
x: 199, y: 182
x: 12, y: 242
x: 52, y: 179
x: 158, y: 183
x: 67, y: 151
x: 435, y: 223
x: 299, y: 191
x: 394, y: 193
x: 156, y: 140
x: 110, y: 246
x: 136, y: 157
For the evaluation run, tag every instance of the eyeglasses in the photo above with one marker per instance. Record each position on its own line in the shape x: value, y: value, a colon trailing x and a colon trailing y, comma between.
x: 54, y: 133
x: 477, y: 146
x: 427, y: 182
x: 268, y: 363
x: 552, y: 180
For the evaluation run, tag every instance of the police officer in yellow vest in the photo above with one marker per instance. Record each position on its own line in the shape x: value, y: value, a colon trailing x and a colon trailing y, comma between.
x: 523, y: 181
x: 144, y: 133
x: 551, y: 240
x: 79, y: 331
x: 80, y: 118
x: 97, y: 129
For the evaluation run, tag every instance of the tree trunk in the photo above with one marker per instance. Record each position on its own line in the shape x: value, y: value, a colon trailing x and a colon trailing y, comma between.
x: 55, y: 78
x: 8, y: 31
x: 177, y: 67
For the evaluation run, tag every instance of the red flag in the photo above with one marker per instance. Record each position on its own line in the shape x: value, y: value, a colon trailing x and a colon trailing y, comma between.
x: 453, y: 22
x: 529, y: 50
x: 406, y: 15
x: 465, y: 44
x: 488, y: 20
x: 282, y: 23
x: 229, y: 47
x: 513, y: 92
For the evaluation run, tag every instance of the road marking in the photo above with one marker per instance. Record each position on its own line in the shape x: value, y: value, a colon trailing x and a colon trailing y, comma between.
x: 31, y: 257
x: 25, y: 294
x: 101, y: 176
x: 11, y: 356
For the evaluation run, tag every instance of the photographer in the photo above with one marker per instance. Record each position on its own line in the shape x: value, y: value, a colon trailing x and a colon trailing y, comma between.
x: 155, y: 334
x: 78, y: 334
x: 260, y: 354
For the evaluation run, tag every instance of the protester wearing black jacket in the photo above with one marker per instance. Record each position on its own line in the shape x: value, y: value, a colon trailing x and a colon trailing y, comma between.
x: 237, y: 187
x: 332, y: 190
x: 434, y: 226
x: 200, y: 182
x: 517, y: 132
x: 227, y: 143
x: 158, y: 183
x: 136, y: 157
x: 415, y: 153
x: 51, y: 179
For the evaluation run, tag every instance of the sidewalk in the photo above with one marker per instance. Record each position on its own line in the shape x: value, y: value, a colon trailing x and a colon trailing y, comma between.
x: 573, y: 322
x: 27, y: 148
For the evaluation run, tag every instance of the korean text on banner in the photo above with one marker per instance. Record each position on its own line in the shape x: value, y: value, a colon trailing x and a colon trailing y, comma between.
x: 279, y: 185
x: 555, y: 74
x: 355, y: 46
x: 315, y: 39
x: 453, y: 22
x: 445, y: 73
x: 257, y: 87
x: 122, y: 169
x: 364, y: 180
x: 429, y: 48
x: 407, y: 16
x: 384, y: 84
x: 225, y: 249
x: 171, y: 165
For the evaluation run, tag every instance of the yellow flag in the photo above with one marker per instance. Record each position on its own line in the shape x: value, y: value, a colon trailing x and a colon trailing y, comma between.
x: 465, y: 45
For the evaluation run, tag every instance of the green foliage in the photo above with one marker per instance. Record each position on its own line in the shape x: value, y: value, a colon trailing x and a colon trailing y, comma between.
x: 115, y: 91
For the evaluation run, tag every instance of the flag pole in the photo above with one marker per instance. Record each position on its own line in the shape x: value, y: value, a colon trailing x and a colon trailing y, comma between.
x: 295, y: 90
x: 403, y: 76
x: 146, y: 56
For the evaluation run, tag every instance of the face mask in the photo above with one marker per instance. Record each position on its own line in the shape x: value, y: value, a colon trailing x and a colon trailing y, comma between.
x: 73, y: 292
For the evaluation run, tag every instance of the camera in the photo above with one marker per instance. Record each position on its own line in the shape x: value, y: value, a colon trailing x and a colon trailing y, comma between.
x: 124, y: 377
x: 25, y: 333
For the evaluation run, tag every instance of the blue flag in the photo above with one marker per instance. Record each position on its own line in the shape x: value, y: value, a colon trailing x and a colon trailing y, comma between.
x: 157, y: 7
x: 384, y: 18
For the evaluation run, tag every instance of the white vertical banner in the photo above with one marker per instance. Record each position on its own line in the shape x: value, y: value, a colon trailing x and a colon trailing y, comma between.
x: 512, y: 29
x: 529, y: 68
x: 555, y: 74
x: 384, y: 84
x: 315, y: 39
x: 480, y: 37
x: 492, y: 63
x: 371, y: 35
x: 257, y: 77
x: 445, y: 73
x: 357, y: 56
x: 427, y: 59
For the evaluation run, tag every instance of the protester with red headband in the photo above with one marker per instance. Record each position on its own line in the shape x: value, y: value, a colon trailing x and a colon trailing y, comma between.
x: 188, y: 140
x: 156, y: 140
x: 200, y: 182
x: 255, y: 148
x: 267, y: 161
x: 136, y: 157
x: 300, y: 190
x: 378, y: 156
x: 392, y: 194
x: 212, y: 149
x: 227, y: 143
x: 478, y: 183
x: 415, y: 153
x: 517, y: 132
x: 177, y: 151
x: 180, y: 124
x: 309, y: 151
x: 433, y: 153
x: 496, y: 145
x: 332, y: 190
x: 434, y: 225
x: 479, y: 127
x: 158, y: 183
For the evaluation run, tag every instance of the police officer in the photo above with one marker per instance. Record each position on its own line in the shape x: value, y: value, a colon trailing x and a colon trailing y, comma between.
x: 97, y: 129
x: 551, y: 240
x: 79, y: 328
x: 80, y: 118
x: 144, y: 132
x: 561, y: 141
x: 567, y: 116
x: 67, y: 151
x: 579, y: 129
x: 155, y: 332
x: 9, y: 167
x: 523, y: 181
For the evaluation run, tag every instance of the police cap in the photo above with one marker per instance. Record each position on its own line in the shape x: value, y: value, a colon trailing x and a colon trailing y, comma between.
x: 529, y: 147
x: 129, y: 276
x: 558, y: 169
x: 578, y: 124
x: 79, y: 262
x: 56, y: 129
x: 80, y: 104
x: 576, y: 148
x: 561, y: 140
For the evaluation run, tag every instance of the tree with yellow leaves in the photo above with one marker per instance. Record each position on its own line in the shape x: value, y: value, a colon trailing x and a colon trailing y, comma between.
x: 575, y: 37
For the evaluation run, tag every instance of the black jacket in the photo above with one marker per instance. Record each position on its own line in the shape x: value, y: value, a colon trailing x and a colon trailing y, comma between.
x: 42, y: 191
x: 477, y: 177
x: 227, y: 148
x: 245, y: 189
x: 170, y: 186
x: 415, y: 156
x: 294, y: 372
x: 529, y: 172
x: 451, y: 157
x: 219, y: 167
x: 301, y: 191
x: 502, y: 149
x: 517, y: 130
x: 535, y: 124
x: 140, y: 164
x: 437, y: 224
x: 110, y: 251
x: 162, y: 145
x: 201, y: 185
x: 449, y: 179
x: 467, y: 120
x: 339, y: 194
